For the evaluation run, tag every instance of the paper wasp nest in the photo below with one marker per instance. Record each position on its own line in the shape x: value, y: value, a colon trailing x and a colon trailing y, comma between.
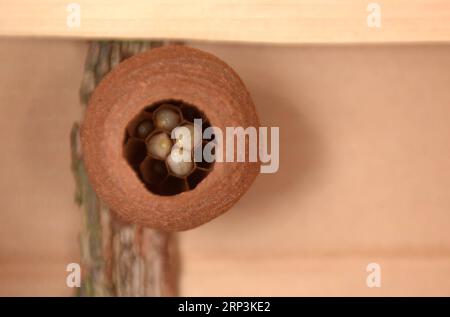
x: 131, y: 158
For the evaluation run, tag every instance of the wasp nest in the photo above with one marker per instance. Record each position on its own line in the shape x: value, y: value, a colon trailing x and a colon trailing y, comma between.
x: 166, y: 166
x: 132, y: 161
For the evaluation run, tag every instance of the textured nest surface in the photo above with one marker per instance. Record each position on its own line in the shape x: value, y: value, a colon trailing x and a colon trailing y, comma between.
x: 188, y: 77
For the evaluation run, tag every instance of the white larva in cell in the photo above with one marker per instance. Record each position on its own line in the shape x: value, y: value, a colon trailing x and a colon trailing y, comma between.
x: 167, y: 118
x: 180, y: 162
x: 159, y: 145
x: 187, y: 136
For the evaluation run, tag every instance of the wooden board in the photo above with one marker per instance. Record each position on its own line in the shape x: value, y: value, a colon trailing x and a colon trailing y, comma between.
x: 364, y: 174
x: 268, y: 21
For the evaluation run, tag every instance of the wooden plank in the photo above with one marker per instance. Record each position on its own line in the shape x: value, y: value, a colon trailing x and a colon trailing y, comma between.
x: 364, y: 173
x: 293, y: 275
x: 269, y: 21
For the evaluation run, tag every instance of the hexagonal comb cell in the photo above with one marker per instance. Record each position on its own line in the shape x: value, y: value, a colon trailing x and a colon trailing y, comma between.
x: 153, y: 171
x: 156, y: 158
x: 141, y: 126
x: 135, y: 151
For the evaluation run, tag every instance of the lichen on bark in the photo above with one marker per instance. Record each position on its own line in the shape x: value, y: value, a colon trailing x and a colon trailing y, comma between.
x: 117, y: 259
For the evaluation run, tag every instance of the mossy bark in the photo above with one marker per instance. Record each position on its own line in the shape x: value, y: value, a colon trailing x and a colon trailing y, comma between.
x: 117, y: 259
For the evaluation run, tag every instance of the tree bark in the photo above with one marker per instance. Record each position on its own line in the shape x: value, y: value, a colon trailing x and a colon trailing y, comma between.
x: 117, y: 259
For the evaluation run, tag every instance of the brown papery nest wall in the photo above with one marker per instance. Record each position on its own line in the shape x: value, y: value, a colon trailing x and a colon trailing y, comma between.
x: 177, y: 78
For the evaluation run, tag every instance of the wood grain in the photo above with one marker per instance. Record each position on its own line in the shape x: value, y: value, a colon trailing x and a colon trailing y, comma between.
x: 364, y: 173
x: 268, y: 21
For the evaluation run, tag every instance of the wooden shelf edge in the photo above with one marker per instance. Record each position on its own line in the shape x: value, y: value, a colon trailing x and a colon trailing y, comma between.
x: 269, y: 21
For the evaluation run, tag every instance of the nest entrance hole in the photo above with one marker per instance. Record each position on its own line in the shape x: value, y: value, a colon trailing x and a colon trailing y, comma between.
x: 147, y: 148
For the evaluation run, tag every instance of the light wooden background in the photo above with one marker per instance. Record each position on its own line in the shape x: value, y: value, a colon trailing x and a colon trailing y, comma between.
x: 364, y: 177
x: 267, y: 21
